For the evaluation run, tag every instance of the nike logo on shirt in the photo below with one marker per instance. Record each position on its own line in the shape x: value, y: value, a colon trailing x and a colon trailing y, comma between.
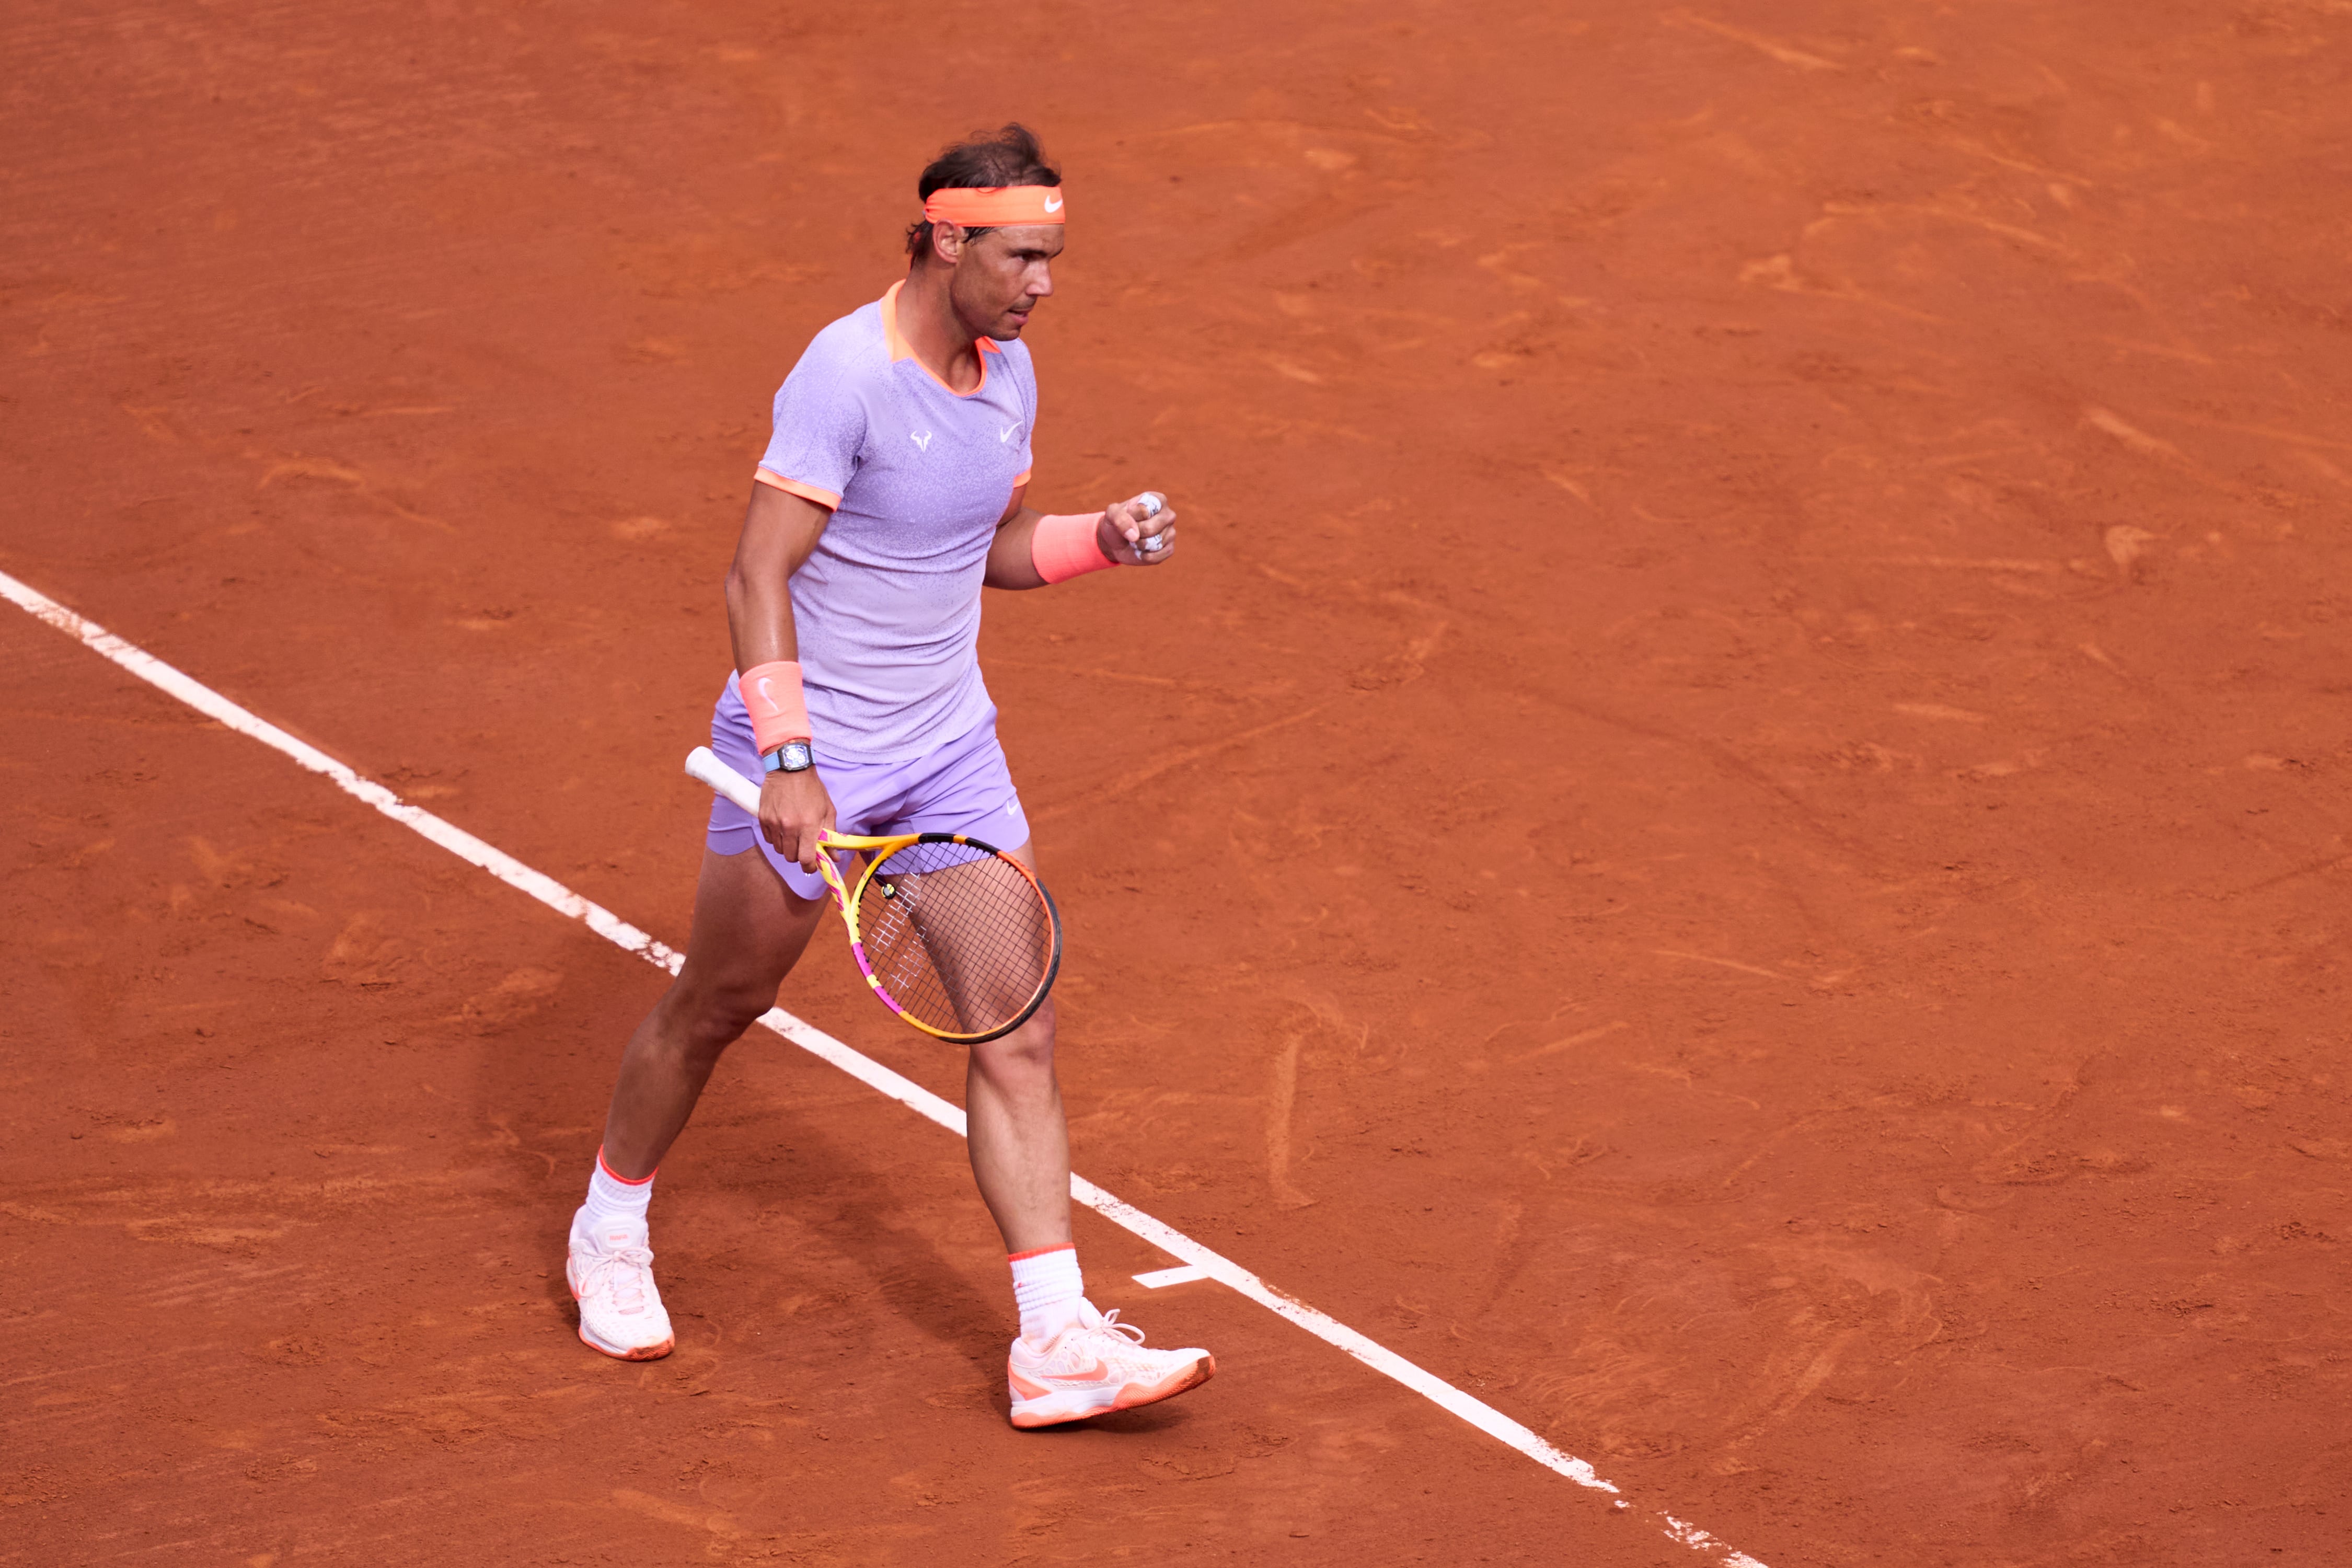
x: 1006, y: 434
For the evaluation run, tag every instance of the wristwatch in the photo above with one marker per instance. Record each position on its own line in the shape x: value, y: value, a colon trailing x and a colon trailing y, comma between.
x: 792, y: 757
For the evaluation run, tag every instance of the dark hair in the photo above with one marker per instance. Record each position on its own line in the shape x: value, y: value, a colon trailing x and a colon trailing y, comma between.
x: 1009, y: 157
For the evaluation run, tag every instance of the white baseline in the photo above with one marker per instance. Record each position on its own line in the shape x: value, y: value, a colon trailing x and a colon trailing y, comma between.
x: 817, y: 1043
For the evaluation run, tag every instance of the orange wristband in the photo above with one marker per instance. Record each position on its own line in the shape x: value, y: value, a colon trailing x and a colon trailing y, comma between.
x: 1065, y: 546
x: 772, y: 694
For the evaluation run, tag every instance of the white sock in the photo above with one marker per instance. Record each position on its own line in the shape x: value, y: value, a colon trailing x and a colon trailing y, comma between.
x: 612, y: 1198
x: 1049, y: 1290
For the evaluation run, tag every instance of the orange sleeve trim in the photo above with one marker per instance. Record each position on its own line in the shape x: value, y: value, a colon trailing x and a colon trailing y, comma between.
x: 817, y: 493
x: 1040, y: 1252
x: 1022, y: 477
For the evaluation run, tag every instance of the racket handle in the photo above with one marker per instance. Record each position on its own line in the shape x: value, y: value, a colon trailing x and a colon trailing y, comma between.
x: 702, y: 764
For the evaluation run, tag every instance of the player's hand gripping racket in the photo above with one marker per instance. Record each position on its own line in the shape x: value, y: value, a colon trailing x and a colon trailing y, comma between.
x: 954, y: 935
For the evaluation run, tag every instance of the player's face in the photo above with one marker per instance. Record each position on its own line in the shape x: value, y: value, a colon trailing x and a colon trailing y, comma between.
x: 1001, y: 275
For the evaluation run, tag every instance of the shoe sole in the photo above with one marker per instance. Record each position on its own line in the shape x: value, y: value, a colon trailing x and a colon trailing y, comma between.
x: 641, y: 1353
x: 1047, y: 1412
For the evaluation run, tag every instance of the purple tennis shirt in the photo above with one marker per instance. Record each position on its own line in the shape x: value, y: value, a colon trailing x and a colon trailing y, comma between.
x: 888, y: 609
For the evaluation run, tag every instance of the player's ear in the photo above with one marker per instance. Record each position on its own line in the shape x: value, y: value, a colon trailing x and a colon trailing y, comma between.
x: 947, y: 243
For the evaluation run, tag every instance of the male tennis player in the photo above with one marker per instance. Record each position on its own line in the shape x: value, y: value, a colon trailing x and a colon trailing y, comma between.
x: 890, y: 494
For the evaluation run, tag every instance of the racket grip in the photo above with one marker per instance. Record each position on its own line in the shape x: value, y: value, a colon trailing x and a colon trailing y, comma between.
x: 703, y: 765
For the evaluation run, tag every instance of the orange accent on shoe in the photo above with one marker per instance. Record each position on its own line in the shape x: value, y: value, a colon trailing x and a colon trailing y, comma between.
x: 1126, y: 1398
x: 1094, y: 1373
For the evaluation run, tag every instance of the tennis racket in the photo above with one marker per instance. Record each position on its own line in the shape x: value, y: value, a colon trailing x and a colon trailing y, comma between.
x: 953, y: 936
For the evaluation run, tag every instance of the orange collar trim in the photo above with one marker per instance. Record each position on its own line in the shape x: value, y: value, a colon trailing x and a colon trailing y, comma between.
x: 900, y: 348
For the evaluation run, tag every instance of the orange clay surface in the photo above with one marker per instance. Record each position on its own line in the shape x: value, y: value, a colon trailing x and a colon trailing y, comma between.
x: 1730, y: 829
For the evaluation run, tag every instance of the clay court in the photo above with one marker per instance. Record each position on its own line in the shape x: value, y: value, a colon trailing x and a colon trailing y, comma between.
x: 1740, y: 797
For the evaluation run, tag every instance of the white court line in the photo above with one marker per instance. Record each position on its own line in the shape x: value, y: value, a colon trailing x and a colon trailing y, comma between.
x: 864, y: 1068
x: 1161, y: 1278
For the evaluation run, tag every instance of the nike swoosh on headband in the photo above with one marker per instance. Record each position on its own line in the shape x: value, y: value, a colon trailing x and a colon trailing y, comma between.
x: 995, y: 206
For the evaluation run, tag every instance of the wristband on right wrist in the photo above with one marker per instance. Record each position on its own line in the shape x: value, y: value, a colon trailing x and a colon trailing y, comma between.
x: 1065, y: 545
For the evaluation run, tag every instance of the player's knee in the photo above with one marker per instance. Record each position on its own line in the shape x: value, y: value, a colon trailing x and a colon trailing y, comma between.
x: 712, y: 1019
x: 1027, y: 1052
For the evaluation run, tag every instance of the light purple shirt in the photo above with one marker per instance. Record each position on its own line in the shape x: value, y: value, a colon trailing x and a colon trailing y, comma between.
x: 887, y: 608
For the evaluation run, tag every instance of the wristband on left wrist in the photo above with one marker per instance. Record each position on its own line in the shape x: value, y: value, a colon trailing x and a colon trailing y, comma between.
x: 772, y: 697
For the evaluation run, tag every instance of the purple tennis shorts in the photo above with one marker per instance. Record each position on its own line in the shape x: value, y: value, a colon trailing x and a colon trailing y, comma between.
x: 961, y: 785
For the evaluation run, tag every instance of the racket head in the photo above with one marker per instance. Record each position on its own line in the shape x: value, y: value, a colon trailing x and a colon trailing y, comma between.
x: 955, y: 936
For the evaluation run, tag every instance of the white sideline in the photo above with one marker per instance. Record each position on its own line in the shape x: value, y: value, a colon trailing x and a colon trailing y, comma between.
x: 864, y: 1068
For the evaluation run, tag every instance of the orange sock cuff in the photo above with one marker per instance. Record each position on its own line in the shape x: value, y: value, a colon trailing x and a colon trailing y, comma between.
x: 616, y: 1175
x: 1024, y: 1256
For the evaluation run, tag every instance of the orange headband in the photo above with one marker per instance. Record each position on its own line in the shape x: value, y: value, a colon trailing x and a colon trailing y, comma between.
x: 995, y: 206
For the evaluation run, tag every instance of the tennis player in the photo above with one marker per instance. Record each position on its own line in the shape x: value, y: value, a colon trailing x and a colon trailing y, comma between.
x: 891, y: 492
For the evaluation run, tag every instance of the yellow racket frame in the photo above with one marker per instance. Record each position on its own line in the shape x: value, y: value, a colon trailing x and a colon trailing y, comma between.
x: 701, y: 764
x: 846, y: 899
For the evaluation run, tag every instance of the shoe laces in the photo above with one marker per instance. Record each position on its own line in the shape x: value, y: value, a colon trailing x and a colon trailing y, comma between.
x: 1106, y: 1340
x: 633, y: 1266
x: 1111, y: 1321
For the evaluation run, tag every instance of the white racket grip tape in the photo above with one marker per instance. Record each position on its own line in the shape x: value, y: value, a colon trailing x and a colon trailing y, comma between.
x: 702, y: 763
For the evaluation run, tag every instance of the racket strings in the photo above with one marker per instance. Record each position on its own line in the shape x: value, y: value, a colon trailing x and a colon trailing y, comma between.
x: 959, y: 937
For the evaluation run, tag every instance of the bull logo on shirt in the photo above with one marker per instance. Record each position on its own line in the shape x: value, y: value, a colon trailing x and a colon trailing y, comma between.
x: 921, y: 438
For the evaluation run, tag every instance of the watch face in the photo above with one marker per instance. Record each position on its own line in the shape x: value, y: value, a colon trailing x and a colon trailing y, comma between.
x: 795, y: 756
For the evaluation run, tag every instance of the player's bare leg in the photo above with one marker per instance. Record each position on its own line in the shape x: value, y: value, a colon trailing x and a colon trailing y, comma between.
x: 1070, y: 1362
x: 749, y: 930
x: 1020, y: 1138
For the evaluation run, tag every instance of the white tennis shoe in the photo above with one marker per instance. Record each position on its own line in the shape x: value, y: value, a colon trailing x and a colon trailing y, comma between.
x: 611, y: 1272
x: 1095, y: 1366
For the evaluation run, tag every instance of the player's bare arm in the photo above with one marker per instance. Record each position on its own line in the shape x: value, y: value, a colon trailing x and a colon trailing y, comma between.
x: 780, y: 531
